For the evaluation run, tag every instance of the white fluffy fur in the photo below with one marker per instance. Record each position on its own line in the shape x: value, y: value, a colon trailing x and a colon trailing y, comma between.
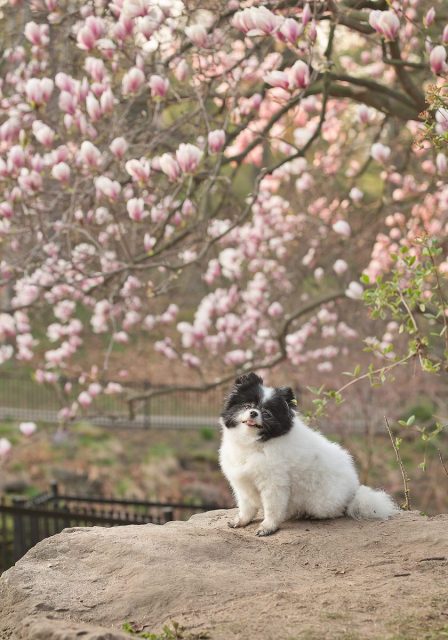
x: 298, y: 474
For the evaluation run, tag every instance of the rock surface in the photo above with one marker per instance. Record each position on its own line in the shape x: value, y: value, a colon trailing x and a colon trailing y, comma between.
x: 339, y: 579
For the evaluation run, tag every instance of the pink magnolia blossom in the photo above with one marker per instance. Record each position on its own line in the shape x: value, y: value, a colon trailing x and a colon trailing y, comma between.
x: 94, y: 389
x: 386, y: 23
x: 182, y: 71
x: 216, y: 140
x: 113, y: 388
x: 30, y: 181
x: 107, y: 101
x: 121, y: 337
x: 197, y: 33
x: 159, y: 86
x: 356, y: 194
x: 68, y: 102
x: 88, y: 35
x: 441, y: 163
x: 132, y: 81
x: 342, y: 227
x: 380, y: 152
x: 354, y: 291
x: 96, y: 68
x: 89, y: 154
x: 191, y: 361
x: 429, y: 17
x: 290, y: 31
x: 256, y: 21
x: 169, y: 166
x: 299, y: 75
x: 437, y: 60
x: 188, y: 157
x: 306, y: 15
x: 85, y: 399
x: 107, y: 187
x: 340, y: 267
x: 149, y: 242
x: 37, y: 34
x: 86, y: 39
x: 7, y: 326
x: 136, y: 209
x: 445, y: 35
x: 27, y: 428
x: 61, y: 172
x: 324, y: 367
x: 277, y: 79
x: 365, y: 114
x: 93, y: 107
x: 38, y: 91
x: 16, y: 157
x: 6, y: 210
x: 96, y: 25
x: 119, y: 146
x: 43, y: 133
x: 139, y: 170
x: 442, y: 119
x: 165, y: 348
x: 275, y: 310
x: 5, y: 447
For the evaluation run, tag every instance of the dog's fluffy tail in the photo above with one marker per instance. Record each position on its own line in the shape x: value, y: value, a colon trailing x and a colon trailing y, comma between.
x: 370, y: 504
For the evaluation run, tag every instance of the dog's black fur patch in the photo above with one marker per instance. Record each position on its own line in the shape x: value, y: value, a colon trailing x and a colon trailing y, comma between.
x: 277, y: 412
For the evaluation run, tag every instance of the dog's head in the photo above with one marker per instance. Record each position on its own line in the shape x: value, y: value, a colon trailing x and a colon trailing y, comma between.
x: 263, y: 412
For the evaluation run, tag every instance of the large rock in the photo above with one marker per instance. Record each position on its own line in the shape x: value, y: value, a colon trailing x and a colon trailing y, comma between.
x: 312, y: 580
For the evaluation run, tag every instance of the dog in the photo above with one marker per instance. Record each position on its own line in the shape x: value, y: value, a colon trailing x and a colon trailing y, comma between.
x: 273, y: 460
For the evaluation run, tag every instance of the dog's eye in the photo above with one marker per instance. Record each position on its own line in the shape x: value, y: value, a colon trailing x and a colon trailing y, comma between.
x: 267, y: 413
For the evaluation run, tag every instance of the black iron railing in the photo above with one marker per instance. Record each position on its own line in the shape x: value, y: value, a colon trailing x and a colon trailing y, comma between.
x: 24, y: 523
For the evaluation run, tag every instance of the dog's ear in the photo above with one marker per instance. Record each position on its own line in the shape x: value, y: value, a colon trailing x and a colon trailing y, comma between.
x: 288, y: 394
x: 248, y: 380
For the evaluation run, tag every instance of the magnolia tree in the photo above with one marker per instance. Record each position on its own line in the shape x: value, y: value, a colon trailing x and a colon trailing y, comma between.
x: 285, y: 148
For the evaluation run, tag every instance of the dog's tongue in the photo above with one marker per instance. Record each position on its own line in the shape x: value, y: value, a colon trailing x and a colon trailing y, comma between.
x: 251, y: 423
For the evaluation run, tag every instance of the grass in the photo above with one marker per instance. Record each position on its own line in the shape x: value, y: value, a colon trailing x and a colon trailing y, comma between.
x: 175, y: 631
x: 159, y: 450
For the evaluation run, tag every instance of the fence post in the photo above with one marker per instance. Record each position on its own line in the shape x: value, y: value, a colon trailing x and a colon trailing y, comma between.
x: 54, y: 489
x: 20, y: 546
x: 146, y: 407
x: 167, y: 514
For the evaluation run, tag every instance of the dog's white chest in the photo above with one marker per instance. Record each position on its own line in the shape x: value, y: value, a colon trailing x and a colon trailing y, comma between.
x: 240, y: 461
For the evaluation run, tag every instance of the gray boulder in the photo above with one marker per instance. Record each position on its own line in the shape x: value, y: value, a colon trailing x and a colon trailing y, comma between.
x: 334, y: 579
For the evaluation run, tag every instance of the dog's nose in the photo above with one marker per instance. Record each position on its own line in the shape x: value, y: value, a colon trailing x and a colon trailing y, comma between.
x: 253, y: 414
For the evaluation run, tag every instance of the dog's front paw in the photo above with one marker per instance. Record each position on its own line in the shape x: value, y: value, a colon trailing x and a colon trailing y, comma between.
x: 237, y: 523
x: 265, y: 530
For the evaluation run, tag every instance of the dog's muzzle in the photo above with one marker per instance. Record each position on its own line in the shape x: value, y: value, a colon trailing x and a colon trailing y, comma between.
x: 253, y: 419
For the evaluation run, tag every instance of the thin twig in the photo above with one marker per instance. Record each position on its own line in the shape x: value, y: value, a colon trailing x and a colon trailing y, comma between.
x: 404, y: 475
x: 442, y: 461
x: 380, y: 370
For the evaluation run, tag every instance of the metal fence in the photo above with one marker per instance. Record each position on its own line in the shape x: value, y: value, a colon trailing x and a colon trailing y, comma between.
x: 24, y: 523
x: 22, y: 398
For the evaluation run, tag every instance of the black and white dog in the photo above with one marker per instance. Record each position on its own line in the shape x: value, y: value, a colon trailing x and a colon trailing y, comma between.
x: 276, y: 462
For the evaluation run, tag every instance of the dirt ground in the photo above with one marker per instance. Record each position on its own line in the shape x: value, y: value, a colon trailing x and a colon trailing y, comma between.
x: 313, y: 580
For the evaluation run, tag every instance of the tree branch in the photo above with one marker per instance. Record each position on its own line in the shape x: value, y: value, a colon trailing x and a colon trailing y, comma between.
x: 404, y: 78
